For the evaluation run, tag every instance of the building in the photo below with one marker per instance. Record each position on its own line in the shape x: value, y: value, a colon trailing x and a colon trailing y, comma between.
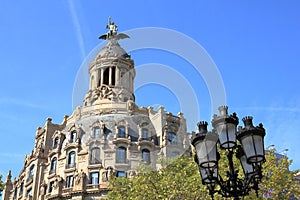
x: 108, y: 135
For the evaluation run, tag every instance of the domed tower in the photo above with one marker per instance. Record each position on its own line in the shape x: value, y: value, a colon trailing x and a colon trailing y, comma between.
x: 111, y: 72
x: 108, y: 136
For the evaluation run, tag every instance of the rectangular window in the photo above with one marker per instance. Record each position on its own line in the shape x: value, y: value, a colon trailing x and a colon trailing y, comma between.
x: 16, y: 193
x: 94, y: 177
x: 51, y: 184
x: 97, y: 132
x: 121, y: 155
x: 73, y: 136
x: 95, y: 156
x: 70, y: 181
x: 28, y: 192
x: 145, y: 134
x: 121, y: 174
x: 21, y: 189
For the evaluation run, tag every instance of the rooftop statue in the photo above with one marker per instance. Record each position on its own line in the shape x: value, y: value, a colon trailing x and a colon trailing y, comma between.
x: 112, y: 33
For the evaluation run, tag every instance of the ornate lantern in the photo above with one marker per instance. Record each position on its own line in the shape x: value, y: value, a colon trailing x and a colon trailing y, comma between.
x: 250, y: 152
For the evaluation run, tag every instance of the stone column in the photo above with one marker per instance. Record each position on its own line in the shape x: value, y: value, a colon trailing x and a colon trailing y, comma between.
x: 117, y: 76
x: 110, y: 76
x: 101, y: 76
x: 96, y: 79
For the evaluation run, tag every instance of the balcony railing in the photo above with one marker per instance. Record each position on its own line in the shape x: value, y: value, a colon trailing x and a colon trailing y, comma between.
x: 95, y: 161
x: 67, y: 190
x: 145, y: 139
x: 92, y: 186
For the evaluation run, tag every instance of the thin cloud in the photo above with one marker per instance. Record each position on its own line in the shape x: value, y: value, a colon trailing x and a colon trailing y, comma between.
x: 19, y: 102
x: 279, y: 109
x: 11, y: 155
x: 77, y: 28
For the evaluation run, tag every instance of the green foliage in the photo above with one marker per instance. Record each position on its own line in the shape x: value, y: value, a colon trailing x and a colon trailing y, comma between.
x: 277, y: 180
x: 1, y: 184
x: 180, y: 179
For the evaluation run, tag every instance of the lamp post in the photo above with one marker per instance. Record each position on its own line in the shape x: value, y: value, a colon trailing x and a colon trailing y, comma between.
x: 247, y: 144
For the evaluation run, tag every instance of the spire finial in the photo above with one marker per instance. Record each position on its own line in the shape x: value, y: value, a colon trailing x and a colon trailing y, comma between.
x: 8, y: 177
x: 112, y: 33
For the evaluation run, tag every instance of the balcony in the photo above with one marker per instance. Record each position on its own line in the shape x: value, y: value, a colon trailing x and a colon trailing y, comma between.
x: 67, y: 190
x: 146, y: 142
x: 121, y: 140
x: 92, y: 186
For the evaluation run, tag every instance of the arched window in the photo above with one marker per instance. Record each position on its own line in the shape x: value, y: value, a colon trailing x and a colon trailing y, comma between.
x: 172, y: 137
x: 53, y: 165
x: 121, y: 155
x: 73, y: 136
x: 146, y: 156
x: 97, y: 132
x: 55, y: 143
x: 71, y: 159
x: 106, y: 76
x: 145, y: 133
x: 121, y: 132
x: 95, y: 156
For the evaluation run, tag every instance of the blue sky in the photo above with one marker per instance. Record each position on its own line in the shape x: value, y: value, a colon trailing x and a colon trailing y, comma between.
x: 255, y: 45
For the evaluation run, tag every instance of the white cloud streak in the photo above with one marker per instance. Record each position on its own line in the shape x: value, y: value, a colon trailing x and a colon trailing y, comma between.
x: 19, y: 102
x: 77, y: 28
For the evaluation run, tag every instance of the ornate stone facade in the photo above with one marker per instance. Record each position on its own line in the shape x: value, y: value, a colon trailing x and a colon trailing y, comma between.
x: 108, y: 136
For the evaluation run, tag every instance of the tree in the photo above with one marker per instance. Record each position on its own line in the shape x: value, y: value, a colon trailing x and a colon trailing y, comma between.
x: 278, y: 181
x: 177, y: 180
x: 1, y: 184
x: 180, y: 179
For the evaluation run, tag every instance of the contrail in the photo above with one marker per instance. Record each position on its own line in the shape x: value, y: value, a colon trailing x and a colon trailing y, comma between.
x: 77, y: 28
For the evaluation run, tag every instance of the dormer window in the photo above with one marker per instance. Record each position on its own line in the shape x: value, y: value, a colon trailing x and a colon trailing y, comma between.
x: 97, y: 132
x: 172, y: 138
x: 145, y: 133
x: 55, y: 143
x: 73, y: 136
x: 121, y: 132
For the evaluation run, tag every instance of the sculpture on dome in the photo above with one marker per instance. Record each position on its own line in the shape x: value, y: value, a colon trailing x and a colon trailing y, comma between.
x: 112, y: 33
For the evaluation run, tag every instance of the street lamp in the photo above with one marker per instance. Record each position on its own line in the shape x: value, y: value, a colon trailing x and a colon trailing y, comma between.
x: 247, y: 144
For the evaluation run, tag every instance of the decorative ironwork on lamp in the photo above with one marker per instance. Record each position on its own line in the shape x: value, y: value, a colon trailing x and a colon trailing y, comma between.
x: 249, y: 150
